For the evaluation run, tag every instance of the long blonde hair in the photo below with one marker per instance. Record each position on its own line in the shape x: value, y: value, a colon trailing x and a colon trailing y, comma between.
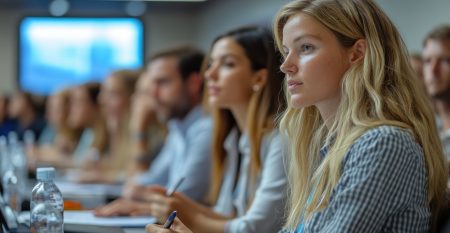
x: 118, y: 161
x: 263, y: 106
x: 380, y: 90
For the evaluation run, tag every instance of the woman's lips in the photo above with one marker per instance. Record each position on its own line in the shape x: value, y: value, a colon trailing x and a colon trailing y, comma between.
x: 213, y: 90
x: 292, y: 84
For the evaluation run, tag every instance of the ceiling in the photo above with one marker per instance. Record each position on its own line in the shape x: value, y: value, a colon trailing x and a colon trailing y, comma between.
x: 101, y: 5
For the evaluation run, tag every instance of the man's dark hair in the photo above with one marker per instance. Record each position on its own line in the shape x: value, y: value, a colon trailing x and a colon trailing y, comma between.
x: 439, y: 33
x: 189, y: 59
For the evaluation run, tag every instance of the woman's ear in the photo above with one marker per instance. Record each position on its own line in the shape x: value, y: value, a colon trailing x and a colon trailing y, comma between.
x: 259, y: 79
x: 358, y: 51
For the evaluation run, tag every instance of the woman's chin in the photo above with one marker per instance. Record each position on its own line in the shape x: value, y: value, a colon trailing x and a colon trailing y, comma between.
x: 297, y: 102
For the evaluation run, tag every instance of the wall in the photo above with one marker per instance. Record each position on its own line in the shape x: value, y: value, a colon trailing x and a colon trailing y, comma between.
x: 415, y: 18
x: 219, y: 16
x: 164, y: 29
x: 8, y: 51
x: 167, y: 26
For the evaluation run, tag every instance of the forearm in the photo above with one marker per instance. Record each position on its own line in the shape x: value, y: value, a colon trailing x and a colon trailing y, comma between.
x: 209, y: 224
x: 203, y: 219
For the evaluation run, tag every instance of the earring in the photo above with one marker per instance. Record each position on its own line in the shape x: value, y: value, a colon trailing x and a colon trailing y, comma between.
x: 256, y: 88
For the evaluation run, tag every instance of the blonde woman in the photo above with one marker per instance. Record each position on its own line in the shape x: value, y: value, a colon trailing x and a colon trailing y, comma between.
x: 248, y: 181
x: 58, y: 140
x: 365, y: 155
x: 85, y: 114
x: 114, y: 102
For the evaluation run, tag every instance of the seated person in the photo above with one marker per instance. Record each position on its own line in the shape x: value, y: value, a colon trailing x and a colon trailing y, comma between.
x: 85, y: 114
x: 58, y: 139
x: 24, y: 110
x: 248, y: 178
x: 114, y: 102
x: 177, y: 94
x: 436, y: 67
x: 367, y: 157
x: 6, y: 123
x: 147, y: 133
x: 364, y: 152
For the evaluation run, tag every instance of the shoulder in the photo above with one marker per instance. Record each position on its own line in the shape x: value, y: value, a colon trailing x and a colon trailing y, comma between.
x: 202, y: 124
x: 386, y: 135
x: 272, y: 144
x: 385, y: 143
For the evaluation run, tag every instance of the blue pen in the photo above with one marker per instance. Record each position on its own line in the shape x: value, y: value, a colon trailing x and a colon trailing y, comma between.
x: 170, y: 219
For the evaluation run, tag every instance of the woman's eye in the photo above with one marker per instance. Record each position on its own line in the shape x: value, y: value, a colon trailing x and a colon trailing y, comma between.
x: 228, y: 64
x: 305, y: 48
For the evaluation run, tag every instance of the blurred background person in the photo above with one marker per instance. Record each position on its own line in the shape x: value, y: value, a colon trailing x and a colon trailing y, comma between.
x: 115, y: 102
x: 58, y: 139
x: 416, y: 62
x: 86, y: 115
x: 6, y: 123
x: 436, y: 63
x: 147, y: 132
x: 25, y: 111
x: 248, y: 177
x: 176, y: 89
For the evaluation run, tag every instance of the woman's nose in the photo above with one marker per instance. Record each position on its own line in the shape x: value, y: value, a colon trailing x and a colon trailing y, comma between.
x: 288, y: 66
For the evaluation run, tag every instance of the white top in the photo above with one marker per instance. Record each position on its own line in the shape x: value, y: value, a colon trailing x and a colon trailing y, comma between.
x: 266, y: 210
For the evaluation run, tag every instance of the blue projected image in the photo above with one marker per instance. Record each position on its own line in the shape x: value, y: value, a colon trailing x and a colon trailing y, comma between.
x: 59, y: 52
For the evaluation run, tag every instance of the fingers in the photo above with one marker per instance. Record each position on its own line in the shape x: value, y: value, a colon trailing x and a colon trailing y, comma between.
x: 109, y: 209
x: 118, y: 207
x: 156, y: 189
x: 159, y: 196
x: 142, y: 209
x: 159, y: 211
x: 152, y: 228
x: 177, y: 227
x: 133, y: 191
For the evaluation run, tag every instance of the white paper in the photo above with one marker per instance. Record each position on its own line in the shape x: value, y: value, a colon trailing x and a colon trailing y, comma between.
x: 87, y: 217
x: 74, y: 189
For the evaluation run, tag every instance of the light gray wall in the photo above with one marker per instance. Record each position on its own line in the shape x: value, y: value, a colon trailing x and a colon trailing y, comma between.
x: 166, y: 27
x: 415, y: 18
x: 222, y: 15
x: 8, y: 51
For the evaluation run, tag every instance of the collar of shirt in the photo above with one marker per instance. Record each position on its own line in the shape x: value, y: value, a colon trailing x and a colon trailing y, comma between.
x: 233, y: 138
x: 326, y: 146
x: 182, y: 125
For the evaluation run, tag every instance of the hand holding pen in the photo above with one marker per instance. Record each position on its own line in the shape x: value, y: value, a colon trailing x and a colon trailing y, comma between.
x: 177, y: 227
x: 170, y: 220
x: 163, y: 201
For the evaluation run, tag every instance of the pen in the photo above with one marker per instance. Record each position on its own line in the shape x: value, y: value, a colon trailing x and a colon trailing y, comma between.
x: 170, y: 220
x: 172, y: 189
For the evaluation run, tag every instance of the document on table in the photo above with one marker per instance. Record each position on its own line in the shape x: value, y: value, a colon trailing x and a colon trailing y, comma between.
x: 88, y: 218
x: 74, y: 189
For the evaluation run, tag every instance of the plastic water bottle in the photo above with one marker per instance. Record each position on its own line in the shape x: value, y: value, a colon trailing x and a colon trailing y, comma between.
x: 10, y: 179
x: 11, y: 190
x: 47, y: 207
x: 5, y: 162
x: 19, y: 168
